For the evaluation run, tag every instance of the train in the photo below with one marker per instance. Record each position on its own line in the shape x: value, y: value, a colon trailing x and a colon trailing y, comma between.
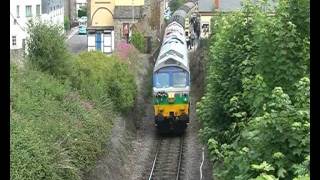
x: 171, y: 74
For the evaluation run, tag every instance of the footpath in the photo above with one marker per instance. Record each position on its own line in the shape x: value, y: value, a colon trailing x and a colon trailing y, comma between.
x: 72, y: 32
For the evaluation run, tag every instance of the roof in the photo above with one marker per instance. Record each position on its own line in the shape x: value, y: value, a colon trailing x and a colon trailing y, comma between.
x: 234, y: 5
x: 230, y: 5
x: 125, y: 12
x: 205, y: 5
x: 174, y: 50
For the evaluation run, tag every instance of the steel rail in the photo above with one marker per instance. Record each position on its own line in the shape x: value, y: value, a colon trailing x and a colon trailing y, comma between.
x: 180, y: 158
x: 155, y: 159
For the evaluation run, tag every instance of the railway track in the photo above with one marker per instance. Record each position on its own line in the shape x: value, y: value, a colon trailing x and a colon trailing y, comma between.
x: 167, y: 163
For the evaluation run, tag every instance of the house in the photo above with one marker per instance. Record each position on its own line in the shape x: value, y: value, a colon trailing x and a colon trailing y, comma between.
x: 21, y: 12
x: 107, y: 17
x: 125, y: 15
x: 53, y: 11
x: 205, y: 9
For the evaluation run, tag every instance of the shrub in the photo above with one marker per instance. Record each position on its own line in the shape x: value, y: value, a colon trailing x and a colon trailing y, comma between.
x: 82, y: 11
x: 255, y: 111
x: 54, y: 133
x: 174, y: 5
x: 100, y: 77
x: 138, y: 41
x: 47, y: 49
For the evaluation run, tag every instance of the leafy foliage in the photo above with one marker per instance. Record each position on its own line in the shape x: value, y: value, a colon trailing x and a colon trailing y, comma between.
x: 100, y: 77
x: 255, y: 111
x: 82, y: 11
x: 54, y: 133
x: 175, y: 4
x: 59, y: 124
x: 47, y: 49
x: 137, y: 39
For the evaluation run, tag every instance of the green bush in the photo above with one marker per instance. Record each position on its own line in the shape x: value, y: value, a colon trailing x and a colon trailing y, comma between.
x: 100, y: 77
x: 47, y: 49
x: 175, y: 4
x: 54, y: 132
x: 138, y: 41
x: 82, y: 11
x: 255, y: 111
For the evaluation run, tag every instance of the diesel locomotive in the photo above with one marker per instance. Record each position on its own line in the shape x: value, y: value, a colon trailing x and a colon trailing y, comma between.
x: 171, y: 74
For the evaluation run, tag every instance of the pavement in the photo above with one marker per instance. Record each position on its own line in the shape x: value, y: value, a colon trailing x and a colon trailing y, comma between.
x: 76, y: 43
x: 72, y: 32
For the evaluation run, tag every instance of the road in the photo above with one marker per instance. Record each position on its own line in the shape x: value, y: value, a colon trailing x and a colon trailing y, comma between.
x: 77, y: 43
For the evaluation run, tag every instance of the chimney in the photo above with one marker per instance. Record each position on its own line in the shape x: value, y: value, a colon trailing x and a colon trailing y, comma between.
x: 216, y: 4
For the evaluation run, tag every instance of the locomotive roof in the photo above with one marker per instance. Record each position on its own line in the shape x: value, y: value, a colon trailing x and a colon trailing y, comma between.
x: 173, y: 28
x: 173, y: 54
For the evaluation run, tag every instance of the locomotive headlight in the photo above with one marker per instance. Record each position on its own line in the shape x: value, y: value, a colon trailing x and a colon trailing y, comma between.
x: 171, y: 97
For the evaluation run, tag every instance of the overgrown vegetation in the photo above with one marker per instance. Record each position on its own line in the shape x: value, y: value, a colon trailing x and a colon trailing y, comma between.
x: 54, y: 132
x: 82, y: 11
x: 62, y: 107
x: 100, y: 77
x: 175, y: 4
x: 255, y: 111
x: 47, y: 50
x: 137, y: 39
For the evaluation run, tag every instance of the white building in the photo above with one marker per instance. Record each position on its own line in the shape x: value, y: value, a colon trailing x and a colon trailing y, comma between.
x: 21, y: 12
x: 53, y: 11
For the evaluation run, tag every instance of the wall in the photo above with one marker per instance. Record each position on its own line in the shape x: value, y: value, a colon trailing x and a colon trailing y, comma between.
x: 55, y: 16
x: 129, y: 2
x: 118, y: 29
x: 101, y: 12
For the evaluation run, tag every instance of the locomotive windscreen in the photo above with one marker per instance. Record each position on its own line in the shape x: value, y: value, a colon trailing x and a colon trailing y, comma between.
x: 171, y: 77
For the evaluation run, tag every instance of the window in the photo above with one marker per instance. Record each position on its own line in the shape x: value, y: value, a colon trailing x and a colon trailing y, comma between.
x: 28, y: 11
x: 14, y: 40
x: 179, y: 79
x: 38, y: 10
x: 162, y: 80
x: 18, y: 11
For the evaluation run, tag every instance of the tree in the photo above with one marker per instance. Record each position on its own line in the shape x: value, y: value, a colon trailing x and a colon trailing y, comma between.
x: 82, y: 11
x: 175, y: 4
x: 47, y: 49
x: 137, y: 40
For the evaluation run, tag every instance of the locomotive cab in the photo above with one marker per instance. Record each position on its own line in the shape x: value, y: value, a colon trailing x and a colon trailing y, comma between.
x: 171, y: 99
